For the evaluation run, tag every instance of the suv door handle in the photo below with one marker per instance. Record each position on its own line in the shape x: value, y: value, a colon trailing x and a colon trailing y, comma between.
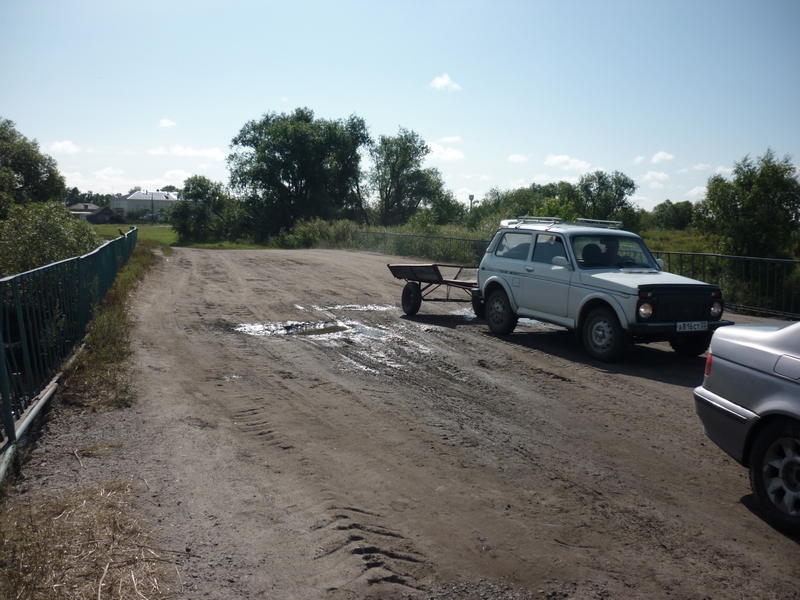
x: 529, y: 269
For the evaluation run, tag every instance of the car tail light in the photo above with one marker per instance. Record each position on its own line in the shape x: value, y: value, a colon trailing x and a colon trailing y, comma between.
x: 709, y: 360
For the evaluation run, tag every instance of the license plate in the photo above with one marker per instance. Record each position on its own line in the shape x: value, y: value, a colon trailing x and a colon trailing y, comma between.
x: 693, y: 326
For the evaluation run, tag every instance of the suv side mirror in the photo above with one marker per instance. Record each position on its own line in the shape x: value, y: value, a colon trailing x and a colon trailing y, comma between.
x: 561, y: 261
x: 660, y: 263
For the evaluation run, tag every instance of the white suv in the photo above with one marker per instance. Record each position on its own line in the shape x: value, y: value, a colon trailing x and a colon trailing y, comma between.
x: 596, y: 280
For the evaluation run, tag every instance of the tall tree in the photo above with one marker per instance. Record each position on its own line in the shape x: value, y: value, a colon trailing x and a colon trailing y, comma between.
x: 206, y: 212
x: 757, y: 212
x: 26, y: 175
x: 669, y: 215
x: 292, y: 167
x: 398, y: 179
x: 605, y: 196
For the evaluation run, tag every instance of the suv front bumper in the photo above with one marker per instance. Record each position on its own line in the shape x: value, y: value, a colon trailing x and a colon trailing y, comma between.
x: 661, y: 329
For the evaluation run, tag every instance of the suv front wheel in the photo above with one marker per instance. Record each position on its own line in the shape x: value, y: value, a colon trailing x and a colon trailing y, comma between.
x: 603, y: 336
x: 499, y: 315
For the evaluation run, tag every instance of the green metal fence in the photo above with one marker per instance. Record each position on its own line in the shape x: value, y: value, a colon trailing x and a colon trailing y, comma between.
x: 43, y: 318
x: 759, y: 285
x: 437, y: 249
x: 762, y: 286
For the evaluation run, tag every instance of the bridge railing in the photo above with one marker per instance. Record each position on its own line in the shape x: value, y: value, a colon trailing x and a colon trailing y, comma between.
x: 44, y: 314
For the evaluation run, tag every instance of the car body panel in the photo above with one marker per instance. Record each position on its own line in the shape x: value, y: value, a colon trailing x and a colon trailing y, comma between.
x: 754, y: 372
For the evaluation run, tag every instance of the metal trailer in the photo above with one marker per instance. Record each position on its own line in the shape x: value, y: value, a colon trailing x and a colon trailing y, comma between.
x: 424, y: 279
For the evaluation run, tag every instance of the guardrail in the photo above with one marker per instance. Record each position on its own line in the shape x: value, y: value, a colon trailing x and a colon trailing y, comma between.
x: 43, y: 318
x: 762, y: 286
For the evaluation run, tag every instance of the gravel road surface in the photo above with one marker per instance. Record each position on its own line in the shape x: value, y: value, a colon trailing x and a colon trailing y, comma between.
x: 299, y: 437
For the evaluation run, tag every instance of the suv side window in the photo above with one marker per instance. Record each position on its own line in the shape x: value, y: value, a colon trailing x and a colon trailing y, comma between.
x: 514, y: 245
x: 547, y: 247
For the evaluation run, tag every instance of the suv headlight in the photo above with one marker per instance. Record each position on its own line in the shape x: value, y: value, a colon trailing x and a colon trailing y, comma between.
x: 716, y: 310
x: 645, y: 311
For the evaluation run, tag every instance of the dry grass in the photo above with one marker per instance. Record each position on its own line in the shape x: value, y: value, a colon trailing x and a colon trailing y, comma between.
x: 84, y: 544
x: 88, y: 543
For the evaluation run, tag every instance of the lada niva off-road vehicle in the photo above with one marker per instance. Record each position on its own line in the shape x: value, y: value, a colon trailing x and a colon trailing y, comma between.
x: 597, y: 280
x: 589, y: 276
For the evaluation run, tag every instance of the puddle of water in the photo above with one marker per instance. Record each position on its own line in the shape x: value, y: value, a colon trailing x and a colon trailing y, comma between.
x: 361, y: 348
x: 292, y: 328
x: 356, y: 307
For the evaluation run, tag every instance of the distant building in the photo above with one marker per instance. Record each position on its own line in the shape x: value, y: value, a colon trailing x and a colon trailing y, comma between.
x: 150, y: 202
x: 91, y: 212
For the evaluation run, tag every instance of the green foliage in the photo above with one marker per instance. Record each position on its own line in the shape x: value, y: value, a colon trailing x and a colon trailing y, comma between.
x: 26, y: 175
x: 39, y: 234
x: 605, y: 196
x: 206, y: 212
x: 672, y: 216
x: 756, y: 213
x: 295, y: 167
x: 676, y: 240
x: 401, y: 184
x: 75, y: 196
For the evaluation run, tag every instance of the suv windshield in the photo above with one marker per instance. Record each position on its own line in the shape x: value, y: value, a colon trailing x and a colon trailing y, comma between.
x: 611, y: 251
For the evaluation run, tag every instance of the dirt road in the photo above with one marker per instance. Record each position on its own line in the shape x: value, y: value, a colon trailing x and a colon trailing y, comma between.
x: 301, y: 438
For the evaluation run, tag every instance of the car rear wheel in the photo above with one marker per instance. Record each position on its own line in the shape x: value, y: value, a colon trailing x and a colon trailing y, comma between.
x: 775, y: 474
x: 691, y: 345
x: 603, y: 336
x: 499, y: 315
x: 412, y: 298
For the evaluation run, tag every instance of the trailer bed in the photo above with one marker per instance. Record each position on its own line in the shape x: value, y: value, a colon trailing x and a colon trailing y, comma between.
x: 425, y: 278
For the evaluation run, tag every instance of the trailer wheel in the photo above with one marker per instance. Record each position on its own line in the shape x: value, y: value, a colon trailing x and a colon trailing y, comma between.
x: 412, y: 298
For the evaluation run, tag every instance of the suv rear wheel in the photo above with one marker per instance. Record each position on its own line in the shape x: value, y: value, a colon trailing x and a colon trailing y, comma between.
x: 775, y: 474
x: 499, y: 315
x: 691, y: 345
x: 603, y: 336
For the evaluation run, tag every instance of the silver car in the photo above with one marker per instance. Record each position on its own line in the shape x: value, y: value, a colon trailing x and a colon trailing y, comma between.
x: 749, y: 404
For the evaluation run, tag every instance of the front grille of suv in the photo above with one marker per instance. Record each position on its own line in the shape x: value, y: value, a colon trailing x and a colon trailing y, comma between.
x: 682, y: 307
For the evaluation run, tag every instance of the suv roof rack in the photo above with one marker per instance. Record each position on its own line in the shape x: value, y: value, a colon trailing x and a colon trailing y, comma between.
x: 521, y: 220
x: 600, y: 223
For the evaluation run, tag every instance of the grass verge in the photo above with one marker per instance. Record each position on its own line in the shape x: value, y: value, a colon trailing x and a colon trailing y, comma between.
x: 87, y: 543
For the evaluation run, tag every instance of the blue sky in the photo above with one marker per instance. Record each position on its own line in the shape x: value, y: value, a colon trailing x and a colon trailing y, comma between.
x: 506, y: 93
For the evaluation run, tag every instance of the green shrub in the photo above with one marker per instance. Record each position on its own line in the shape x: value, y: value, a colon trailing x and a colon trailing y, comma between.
x: 38, y: 234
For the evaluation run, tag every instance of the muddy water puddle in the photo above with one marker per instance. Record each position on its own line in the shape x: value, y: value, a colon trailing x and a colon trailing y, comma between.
x: 360, y: 347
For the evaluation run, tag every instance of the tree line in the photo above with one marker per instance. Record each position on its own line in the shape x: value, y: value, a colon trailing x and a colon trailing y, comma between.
x: 291, y: 168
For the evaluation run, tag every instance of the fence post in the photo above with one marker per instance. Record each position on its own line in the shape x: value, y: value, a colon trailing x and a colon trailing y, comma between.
x: 5, y: 393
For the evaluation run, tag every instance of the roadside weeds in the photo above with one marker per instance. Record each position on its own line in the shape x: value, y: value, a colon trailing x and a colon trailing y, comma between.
x: 87, y: 543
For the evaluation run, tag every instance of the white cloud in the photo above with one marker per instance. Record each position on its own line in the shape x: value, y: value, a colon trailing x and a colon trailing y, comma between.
x: 723, y: 170
x: 567, y: 163
x: 638, y: 160
x: 518, y: 158
x: 212, y: 153
x: 661, y: 157
x: 166, y: 123
x: 65, y: 147
x: 443, y: 82
x: 455, y: 139
x: 439, y: 152
x: 701, y: 167
x: 695, y: 193
x: 655, y: 179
